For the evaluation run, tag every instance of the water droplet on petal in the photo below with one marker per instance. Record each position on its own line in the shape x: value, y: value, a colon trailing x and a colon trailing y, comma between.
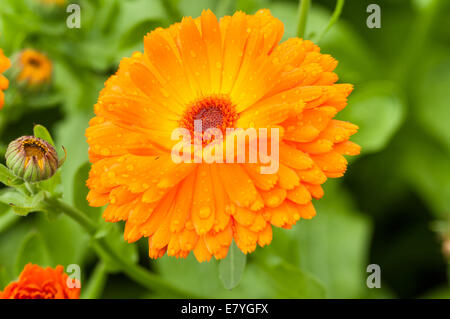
x: 205, y: 212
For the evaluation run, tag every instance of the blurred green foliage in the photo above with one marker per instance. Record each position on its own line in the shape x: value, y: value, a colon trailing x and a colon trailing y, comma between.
x: 380, y: 212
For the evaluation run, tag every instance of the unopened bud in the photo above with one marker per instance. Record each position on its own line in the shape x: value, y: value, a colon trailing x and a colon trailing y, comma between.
x: 32, y: 158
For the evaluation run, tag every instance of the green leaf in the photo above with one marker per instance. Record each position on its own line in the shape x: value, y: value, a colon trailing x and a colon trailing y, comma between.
x: 80, y: 191
x: 21, y: 203
x: 194, y: 8
x: 333, y: 245
x: 52, y: 185
x: 11, y: 240
x: 41, y: 132
x: 287, y: 12
x: 7, y: 219
x: 421, y: 4
x: 96, y: 283
x: 114, y: 237
x: 8, y: 178
x: 232, y: 267
x: 357, y: 61
x: 4, y: 278
x: 70, y: 133
x: 378, y: 112
x: 203, y: 278
x: 136, y: 15
x: 137, y: 33
x: 67, y: 241
x: 432, y: 96
x: 32, y: 250
x: 190, y: 275
x: 427, y: 171
x: 291, y: 282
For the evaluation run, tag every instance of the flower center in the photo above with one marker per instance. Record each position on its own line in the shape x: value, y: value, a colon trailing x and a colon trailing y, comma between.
x: 210, y: 117
x: 34, y: 62
x: 214, y: 111
x: 34, y: 148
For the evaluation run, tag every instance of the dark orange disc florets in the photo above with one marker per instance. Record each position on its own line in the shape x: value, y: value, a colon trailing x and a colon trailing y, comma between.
x: 215, y: 111
x: 33, y: 147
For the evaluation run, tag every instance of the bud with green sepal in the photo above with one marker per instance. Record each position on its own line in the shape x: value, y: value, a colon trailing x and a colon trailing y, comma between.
x: 32, y: 158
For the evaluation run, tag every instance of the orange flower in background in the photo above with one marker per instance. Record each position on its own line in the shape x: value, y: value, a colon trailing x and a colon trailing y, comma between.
x: 228, y: 73
x: 4, y: 65
x: 36, y: 282
x: 34, y: 68
x: 53, y: 2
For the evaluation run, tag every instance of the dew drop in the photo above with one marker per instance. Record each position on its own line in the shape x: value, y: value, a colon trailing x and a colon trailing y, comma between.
x: 105, y: 152
x: 230, y: 209
x: 205, y: 212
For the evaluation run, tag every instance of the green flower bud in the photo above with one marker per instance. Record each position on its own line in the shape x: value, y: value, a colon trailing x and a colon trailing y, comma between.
x: 32, y: 158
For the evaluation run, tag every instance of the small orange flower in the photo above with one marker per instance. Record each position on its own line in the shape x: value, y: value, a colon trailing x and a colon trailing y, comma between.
x: 34, y: 68
x: 53, y: 2
x: 36, y: 282
x: 4, y: 65
x: 227, y: 73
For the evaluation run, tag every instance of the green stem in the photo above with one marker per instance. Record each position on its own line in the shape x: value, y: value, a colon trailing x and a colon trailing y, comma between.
x: 303, y: 9
x: 334, y: 18
x: 58, y: 206
x: 32, y: 188
x: 135, y: 272
x: 96, y: 282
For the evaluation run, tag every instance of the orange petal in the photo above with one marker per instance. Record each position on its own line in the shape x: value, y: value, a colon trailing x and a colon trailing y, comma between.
x: 299, y: 195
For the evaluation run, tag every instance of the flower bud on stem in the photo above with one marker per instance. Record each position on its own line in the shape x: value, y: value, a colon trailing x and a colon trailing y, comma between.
x: 32, y: 159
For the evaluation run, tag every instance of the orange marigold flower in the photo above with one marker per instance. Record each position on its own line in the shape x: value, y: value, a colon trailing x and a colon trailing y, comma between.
x: 4, y: 65
x: 53, y: 2
x: 231, y: 72
x: 33, y: 68
x: 36, y: 282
